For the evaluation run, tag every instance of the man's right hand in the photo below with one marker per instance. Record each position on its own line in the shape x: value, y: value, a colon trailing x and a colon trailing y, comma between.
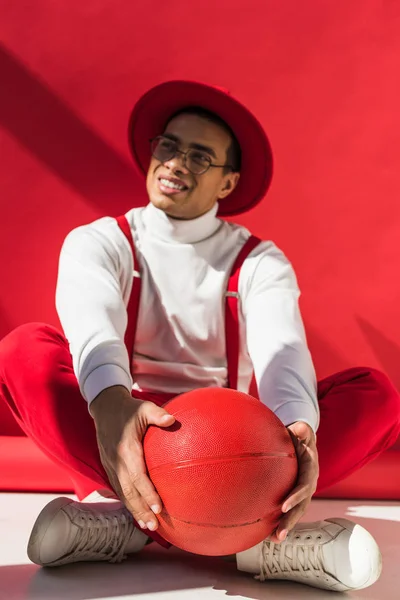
x: 121, y: 422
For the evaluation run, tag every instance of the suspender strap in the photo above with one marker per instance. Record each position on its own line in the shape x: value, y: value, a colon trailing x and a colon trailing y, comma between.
x: 232, y: 337
x: 134, y: 300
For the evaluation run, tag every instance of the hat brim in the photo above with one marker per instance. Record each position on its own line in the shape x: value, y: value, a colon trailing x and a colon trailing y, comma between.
x: 152, y: 112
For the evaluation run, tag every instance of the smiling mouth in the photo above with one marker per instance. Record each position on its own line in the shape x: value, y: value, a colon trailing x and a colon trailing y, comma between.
x: 171, y: 186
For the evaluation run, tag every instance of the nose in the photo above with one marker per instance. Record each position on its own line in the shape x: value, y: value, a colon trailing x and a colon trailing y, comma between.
x: 177, y: 163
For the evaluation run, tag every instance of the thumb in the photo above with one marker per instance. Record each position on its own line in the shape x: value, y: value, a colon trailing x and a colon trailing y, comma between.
x: 302, y: 431
x: 155, y: 415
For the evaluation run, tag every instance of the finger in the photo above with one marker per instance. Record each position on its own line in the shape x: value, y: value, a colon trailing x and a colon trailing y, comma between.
x: 289, y: 521
x: 142, y: 483
x: 151, y: 414
x: 278, y: 540
x: 300, y: 493
x: 139, y: 493
x: 306, y: 485
x: 135, y: 503
x: 302, y: 431
x: 121, y: 482
x: 139, y: 511
x: 132, y: 457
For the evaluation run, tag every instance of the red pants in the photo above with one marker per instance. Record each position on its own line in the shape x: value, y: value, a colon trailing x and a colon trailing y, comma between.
x: 360, y: 410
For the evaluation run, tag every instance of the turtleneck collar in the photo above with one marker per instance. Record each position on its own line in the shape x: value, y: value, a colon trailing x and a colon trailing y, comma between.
x: 189, y: 231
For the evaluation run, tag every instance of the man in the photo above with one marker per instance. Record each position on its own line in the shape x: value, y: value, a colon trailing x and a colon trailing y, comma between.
x: 144, y: 305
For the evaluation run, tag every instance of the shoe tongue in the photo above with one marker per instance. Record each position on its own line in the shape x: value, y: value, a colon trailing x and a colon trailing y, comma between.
x: 300, y: 552
x: 288, y: 551
x: 97, y: 535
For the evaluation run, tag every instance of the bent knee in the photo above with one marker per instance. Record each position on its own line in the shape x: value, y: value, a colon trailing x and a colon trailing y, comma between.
x: 378, y: 379
x: 387, y: 396
x: 24, y: 338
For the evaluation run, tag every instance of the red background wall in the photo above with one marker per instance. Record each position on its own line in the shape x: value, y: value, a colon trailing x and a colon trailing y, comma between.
x: 322, y: 76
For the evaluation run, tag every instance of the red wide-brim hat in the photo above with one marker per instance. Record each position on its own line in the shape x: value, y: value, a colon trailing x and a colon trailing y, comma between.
x: 154, y: 109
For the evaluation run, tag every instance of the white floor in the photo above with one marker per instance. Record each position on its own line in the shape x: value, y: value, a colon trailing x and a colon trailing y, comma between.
x: 170, y: 574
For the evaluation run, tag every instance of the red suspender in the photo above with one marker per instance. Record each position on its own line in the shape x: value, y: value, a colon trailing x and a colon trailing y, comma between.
x: 232, y: 337
x: 133, y: 305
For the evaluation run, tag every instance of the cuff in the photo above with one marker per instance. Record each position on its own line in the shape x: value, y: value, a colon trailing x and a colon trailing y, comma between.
x: 290, y: 412
x: 104, y: 377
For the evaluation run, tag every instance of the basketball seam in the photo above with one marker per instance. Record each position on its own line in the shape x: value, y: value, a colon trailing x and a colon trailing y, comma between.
x: 218, y: 459
x: 211, y: 525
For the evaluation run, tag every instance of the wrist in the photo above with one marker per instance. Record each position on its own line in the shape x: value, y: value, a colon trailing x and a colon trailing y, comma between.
x: 107, y: 399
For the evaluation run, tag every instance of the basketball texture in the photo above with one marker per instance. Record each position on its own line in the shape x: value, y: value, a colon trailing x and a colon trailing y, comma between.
x: 222, y: 471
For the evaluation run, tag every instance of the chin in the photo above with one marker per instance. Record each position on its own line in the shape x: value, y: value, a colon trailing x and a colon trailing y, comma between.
x: 171, y: 209
x: 162, y: 202
x: 167, y: 206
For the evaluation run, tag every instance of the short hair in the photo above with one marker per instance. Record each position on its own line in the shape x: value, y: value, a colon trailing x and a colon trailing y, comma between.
x: 234, y: 152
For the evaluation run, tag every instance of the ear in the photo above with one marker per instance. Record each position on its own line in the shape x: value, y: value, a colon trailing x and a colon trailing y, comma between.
x: 231, y: 181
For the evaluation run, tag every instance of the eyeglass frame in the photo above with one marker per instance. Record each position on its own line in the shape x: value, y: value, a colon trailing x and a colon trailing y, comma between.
x: 185, y: 154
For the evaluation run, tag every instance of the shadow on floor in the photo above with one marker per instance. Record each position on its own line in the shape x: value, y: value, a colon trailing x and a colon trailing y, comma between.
x: 151, y: 572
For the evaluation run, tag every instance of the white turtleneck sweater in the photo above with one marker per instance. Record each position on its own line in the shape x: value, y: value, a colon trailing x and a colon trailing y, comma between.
x: 180, y: 339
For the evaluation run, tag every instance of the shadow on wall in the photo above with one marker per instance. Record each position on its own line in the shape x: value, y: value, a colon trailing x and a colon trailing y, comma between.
x: 49, y: 129
x: 386, y: 351
x: 324, y: 354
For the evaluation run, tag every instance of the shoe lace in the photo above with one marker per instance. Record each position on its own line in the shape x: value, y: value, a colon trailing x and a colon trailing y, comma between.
x: 286, y: 558
x: 104, y: 536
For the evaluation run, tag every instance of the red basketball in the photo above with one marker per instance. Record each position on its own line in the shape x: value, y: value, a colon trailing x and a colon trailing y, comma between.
x: 222, y: 471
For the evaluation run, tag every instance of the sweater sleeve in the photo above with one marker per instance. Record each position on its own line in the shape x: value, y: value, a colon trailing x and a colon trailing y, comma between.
x: 276, y: 339
x: 93, y: 286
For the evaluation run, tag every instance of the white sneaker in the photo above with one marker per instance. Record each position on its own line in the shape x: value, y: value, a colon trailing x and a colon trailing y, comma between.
x: 68, y: 531
x: 335, y: 554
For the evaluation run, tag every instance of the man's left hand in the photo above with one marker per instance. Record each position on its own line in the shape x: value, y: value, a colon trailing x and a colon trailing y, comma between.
x: 297, y: 502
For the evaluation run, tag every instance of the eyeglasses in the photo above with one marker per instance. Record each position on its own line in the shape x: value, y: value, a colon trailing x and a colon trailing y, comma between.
x: 197, y: 162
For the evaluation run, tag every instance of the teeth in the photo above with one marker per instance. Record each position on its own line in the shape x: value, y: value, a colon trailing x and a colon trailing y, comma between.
x: 169, y: 184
